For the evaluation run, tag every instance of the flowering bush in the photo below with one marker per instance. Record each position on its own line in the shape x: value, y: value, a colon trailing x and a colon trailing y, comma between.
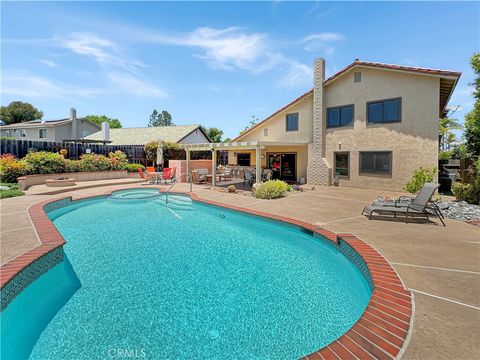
x: 94, y: 162
x: 118, y: 160
x: 44, y: 162
x: 12, y: 168
x: 271, y: 189
x: 72, y: 166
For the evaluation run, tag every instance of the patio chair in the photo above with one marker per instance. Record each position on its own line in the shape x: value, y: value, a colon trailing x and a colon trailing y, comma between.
x: 418, y: 206
x: 168, y: 176
x: 403, y: 201
x: 199, y: 176
x: 150, y: 169
x: 227, y: 174
x: 247, y: 177
x: 267, y: 174
x: 147, y: 177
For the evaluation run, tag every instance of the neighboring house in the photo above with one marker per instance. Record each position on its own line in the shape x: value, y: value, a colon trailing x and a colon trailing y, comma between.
x: 181, y: 134
x: 370, y: 125
x: 51, y: 130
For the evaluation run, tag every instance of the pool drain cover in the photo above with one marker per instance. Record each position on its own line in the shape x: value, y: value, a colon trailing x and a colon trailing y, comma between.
x: 214, y: 334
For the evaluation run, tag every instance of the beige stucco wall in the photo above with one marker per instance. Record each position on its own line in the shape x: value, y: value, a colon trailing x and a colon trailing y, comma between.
x: 276, y: 125
x: 413, y: 141
x: 300, y: 150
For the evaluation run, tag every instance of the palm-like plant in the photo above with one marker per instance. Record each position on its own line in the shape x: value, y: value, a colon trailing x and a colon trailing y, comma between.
x: 447, y: 138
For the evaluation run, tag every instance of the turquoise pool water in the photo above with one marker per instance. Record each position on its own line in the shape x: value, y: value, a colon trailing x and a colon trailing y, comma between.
x: 187, y: 281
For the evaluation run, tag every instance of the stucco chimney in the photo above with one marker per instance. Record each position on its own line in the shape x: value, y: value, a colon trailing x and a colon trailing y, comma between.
x: 105, y: 131
x: 318, y: 169
x: 73, y: 117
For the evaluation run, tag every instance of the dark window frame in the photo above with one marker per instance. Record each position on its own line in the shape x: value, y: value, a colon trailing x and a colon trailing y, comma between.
x: 383, y: 121
x: 286, y: 121
x: 340, y: 108
x: 249, y: 158
x: 335, y: 153
x: 362, y: 173
x: 40, y: 133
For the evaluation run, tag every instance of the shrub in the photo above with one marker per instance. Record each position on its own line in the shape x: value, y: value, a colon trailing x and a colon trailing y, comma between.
x: 72, y: 166
x: 94, y: 162
x: 12, y: 191
x: 445, y: 155
x: 118, y: 160
x: 231, y: 188
x: 464, y: 192
x: 133, y: 167
x: 419, y: 178
x: 12, y: 168
x: 271, y: 189
x: 44, y: 162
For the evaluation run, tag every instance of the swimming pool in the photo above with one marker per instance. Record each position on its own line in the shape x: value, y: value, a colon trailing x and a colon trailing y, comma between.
x: 183, y: 280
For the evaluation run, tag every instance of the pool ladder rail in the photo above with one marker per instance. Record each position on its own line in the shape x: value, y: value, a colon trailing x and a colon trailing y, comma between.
x: 174, y: 182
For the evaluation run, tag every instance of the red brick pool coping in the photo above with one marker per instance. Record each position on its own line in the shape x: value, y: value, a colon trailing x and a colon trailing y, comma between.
x: 380, y: 333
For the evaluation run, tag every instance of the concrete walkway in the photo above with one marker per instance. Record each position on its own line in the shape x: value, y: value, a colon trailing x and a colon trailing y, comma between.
x: 441, y: 265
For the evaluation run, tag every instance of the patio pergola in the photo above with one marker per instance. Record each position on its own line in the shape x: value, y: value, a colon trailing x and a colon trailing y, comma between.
x: 258, y: 146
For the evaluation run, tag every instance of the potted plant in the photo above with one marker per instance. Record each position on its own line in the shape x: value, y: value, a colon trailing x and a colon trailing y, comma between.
x: 231, y: 189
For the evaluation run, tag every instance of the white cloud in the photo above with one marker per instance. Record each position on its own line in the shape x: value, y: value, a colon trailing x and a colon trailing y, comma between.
x: 32, y: 86
x: 222, y: 48
x: 322, y: 41
x: 48, y: 63
x: 298, y: 75
x: 134, y: 86
x: 103, y: 51
x: 233, y: 48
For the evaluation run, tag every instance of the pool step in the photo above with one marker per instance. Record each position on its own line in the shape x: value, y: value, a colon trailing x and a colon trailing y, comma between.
x: 175, y: 202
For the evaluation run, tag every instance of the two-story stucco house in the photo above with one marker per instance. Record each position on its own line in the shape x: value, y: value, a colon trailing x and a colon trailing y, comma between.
x: 371, y: 125
x: 72, y: 128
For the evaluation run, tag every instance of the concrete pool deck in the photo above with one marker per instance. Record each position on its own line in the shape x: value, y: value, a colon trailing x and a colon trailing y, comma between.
x: 441, y: 265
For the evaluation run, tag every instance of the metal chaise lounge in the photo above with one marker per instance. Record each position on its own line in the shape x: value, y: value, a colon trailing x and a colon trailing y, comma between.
x: 418, y: 206
x: 403, y: 201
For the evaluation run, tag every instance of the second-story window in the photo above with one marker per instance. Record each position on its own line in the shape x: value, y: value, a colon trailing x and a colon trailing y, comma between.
x: 339, y: 116
x: 22, y: 133
x: 42, y: 133
x: 292, y: 122
x: 384, y: 111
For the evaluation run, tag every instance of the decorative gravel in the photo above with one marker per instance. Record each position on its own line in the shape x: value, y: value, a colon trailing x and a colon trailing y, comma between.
x: 461, y: 211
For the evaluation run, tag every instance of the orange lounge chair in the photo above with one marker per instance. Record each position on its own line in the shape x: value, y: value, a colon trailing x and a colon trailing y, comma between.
x: 147, y: 177
x: 150, y: 169
x: 168, y: 175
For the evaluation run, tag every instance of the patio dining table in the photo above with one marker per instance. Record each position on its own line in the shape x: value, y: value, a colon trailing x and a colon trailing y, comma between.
x: 158, y: 176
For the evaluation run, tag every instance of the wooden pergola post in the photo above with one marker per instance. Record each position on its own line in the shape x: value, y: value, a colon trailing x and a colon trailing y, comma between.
x: 189, y: 175
x: 258, y: 164
x: 214, y: 166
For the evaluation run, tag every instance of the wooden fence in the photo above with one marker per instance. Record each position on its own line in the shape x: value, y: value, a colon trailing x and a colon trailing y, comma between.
x: 20, y: 148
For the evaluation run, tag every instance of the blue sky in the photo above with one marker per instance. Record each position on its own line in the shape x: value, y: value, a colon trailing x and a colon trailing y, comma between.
x: 215, y: 63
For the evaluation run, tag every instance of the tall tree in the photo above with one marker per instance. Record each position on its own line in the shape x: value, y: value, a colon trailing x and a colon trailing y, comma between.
x: 214, y: 134
x: 472, y: 119
x: 446, y: 125
x: 99, y: 119
x: 18, y: 111
x: 160, y: 119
